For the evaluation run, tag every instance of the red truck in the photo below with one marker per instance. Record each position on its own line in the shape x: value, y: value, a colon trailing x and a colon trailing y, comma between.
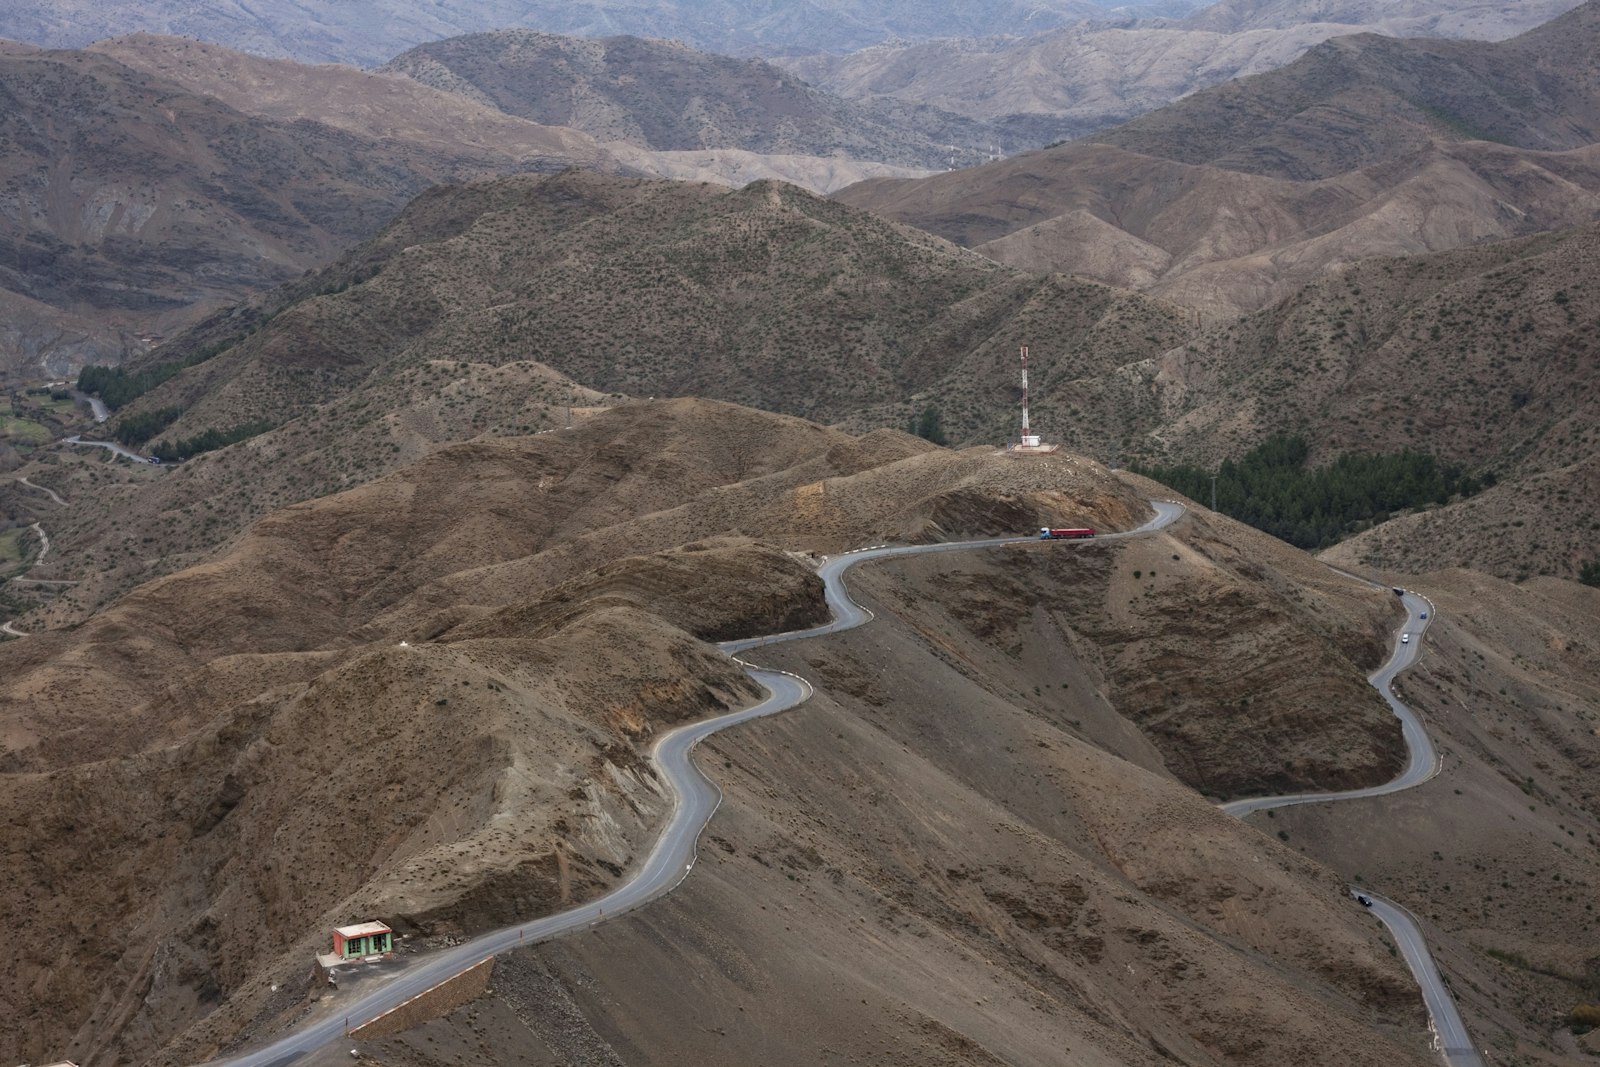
x: 1046, y: 533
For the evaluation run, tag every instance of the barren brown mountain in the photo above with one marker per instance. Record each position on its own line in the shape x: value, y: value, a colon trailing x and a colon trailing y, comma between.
x: 1398, y: 18
x: 1239, y: 195
x: 447, y: 676
x: 132, y: 204
x: 1484, y: 356
x: 1364, y: 100
x: 665, y: 96
x: 767, y: 295
x: 452, y: 124
x: 514, y: 306
x: 1496, y: 855
x: 1073, y: 81
x: 154, y: 178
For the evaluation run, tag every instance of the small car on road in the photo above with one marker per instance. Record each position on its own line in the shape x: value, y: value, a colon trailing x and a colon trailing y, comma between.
x: 1405, y: 639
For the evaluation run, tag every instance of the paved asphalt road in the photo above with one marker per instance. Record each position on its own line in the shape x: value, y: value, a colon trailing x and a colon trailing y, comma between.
x: 1424, y: 761
x: 97, y: 407
x: 847, y: 614
x: 695, y: 800
x: 668, y: 864
x: 127, y: 453
x: 1454, y: 1043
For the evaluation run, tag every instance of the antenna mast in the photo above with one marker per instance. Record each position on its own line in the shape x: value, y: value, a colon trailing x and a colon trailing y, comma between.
x: 1030, y: 441
x: 1025, y: 391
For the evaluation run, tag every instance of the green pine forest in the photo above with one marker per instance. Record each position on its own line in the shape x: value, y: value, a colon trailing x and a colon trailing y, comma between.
x: 1272, y: 489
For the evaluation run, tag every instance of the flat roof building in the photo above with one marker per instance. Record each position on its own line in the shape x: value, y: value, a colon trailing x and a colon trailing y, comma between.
x: 362, y: 940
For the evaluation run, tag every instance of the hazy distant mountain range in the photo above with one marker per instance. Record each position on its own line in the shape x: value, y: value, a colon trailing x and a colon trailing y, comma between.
x: 1236, y: 196
x: 1073, y: 81
x: 369, y: 32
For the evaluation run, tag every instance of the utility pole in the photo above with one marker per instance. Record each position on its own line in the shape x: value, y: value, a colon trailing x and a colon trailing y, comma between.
x: 1213, y: 492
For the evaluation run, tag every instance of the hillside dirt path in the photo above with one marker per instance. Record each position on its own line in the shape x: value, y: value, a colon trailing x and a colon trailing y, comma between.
x: 51, y: 493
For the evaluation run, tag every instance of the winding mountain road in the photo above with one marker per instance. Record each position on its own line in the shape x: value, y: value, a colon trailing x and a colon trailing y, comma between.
x: 97, y: 407
x: 44, y: 543
x: 1451, y: 1038
x: 696, y: 798
x: 1423, y: 761
x: 44, y: 550
x: 1450, y: 1032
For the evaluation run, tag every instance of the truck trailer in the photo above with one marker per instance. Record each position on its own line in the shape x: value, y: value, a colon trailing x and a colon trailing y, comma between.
x: 1079, y: 533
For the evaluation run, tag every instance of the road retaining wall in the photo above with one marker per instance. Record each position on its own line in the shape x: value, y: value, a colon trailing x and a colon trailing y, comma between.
x: 431, y: 1004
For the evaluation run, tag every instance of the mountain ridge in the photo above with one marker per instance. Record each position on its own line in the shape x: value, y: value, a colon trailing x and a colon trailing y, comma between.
x: 370, y: 32
x: 1236, y: 196
x: 666, y: 96
x: 1076, y: 81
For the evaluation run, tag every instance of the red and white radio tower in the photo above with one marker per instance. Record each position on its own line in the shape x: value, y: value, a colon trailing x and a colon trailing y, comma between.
x: 1030, y: 440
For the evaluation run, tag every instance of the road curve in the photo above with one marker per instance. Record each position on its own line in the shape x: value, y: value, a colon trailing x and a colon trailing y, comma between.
x: 1422, y: 762
x: 1450, y: 1032
x: 97, y: 407
x: 44, y: 550
x: 847, y: 614
x: 669, y: 862
x: 126, y: 453
x: 695, y: 800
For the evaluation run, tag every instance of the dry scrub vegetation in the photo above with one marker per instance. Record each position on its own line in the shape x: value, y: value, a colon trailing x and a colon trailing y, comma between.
x: 964, y: 850
x: 247, y: 746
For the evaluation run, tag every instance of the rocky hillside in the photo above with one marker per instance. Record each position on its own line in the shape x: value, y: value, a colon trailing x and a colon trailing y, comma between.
x: 666, y: 96
x: 454, y: 124
x: 151, y: 179
x: 1483, y: 356
x: 130, y: 204
x: 1506, y: 684
x: 767, y: 295
x: 1346, y: 165
x: 498, y: 562
x: 1397, y: 18
x: 474, y: 610
x: 945, y: 832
